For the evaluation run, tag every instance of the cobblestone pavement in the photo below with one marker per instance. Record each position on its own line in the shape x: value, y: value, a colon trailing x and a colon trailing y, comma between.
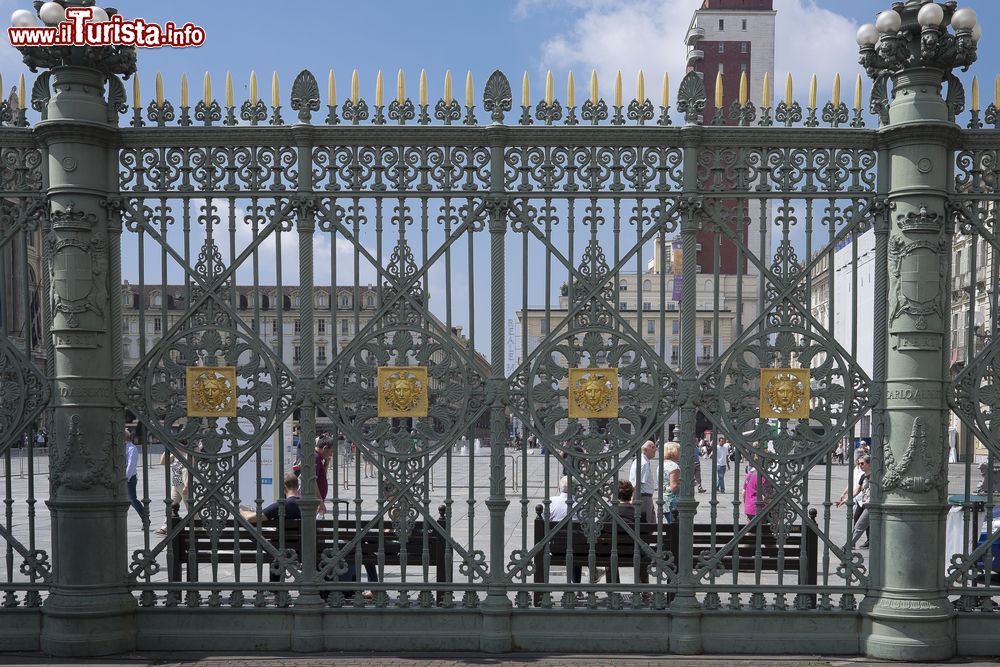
x: 454, y: 660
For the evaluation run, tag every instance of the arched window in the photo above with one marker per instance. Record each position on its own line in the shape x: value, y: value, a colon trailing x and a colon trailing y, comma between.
x: 286, y: 302
x: 155, y: 299
x: 345, y: 300
x: 243, y: 301
x: 321, y: 299
x: 295, y: 300
x: 265, y: 302
x: 371, y: 300
x: 647, y: 284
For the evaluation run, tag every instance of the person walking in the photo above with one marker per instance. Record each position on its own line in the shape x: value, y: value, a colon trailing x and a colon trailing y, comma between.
x: 179, y: 492
x: 645, y: 482
x: 132, y: 474
x: 722, y: 452
x: 862, y: 496
x: 671, y: 480
x: 697, y: 466
x: 754, y: 487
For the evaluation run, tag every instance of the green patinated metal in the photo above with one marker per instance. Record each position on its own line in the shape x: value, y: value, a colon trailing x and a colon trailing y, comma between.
x: 580, y: 196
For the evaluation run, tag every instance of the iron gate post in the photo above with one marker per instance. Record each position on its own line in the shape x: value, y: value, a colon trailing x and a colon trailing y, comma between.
x: 89, y: 610
x: 907, y: 615
x: 686, y: 634
x: 497, y: 608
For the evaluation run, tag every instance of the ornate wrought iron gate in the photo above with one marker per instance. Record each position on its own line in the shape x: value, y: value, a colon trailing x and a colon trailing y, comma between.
x: 236, y: 288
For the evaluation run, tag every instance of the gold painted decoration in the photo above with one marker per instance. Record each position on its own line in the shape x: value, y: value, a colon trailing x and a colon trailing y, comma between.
x: 402, y: 391
x: 593, y: 393
x: 784, y: 393
x: 211, y: 391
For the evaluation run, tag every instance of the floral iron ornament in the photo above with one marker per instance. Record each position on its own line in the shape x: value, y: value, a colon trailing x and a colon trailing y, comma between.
x: 593, y: 393
x: 402, y: 391
x: 211, y: 391
x: 784, y: 393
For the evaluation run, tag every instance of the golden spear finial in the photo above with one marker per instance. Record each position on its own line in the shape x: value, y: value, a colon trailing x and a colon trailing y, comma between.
x: 229, y: 89
x: 136, y: 97
x: 400, y: 87
x: 718, y: 90
x: 570, y: 90
x: 744, y: 89
x: 275, y: 96
x: 857, y: 93
x: 331, y: 89
x: 618, y: 88
x: 470, y: 98
x: 208, y: 89
x: 549, y: 94
x: 640, y: 88
x: 525, y: 91
x: 355, y: 87
x: 593, y: 87
x: 159, y: 89
x: 379, y: 92
x: 423, y: 88
x: 253, y: 88
x: 812, y: 92
x: 789, y: 100
x: 974, y: 106
x: 665, y: 93
x: 836, y: 89
x: 765, y: 96
x: 447, y: 87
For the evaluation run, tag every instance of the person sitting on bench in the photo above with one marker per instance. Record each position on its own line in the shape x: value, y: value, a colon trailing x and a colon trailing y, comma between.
x: 270, y: 513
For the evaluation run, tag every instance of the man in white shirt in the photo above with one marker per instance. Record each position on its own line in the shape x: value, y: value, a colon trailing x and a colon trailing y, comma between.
x: 648, y: 480
x: 132, y: 474
x: 558, y: 505
x: 722, y: 464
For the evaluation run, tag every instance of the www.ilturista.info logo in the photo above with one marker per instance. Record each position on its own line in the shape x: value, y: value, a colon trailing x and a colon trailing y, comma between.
x: 78, y: 29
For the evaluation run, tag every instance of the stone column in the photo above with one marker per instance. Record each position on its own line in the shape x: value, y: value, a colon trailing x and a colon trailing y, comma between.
x: 89, y: 610
x: 908, y: 616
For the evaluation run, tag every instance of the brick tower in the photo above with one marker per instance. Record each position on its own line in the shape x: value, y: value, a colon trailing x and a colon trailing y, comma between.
x: 731, y: 36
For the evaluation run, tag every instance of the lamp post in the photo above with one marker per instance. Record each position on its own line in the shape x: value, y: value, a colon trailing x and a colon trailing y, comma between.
x: 915, y: 45
x: 89, y: 610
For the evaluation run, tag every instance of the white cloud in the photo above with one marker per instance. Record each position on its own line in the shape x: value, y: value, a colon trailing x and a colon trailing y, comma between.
x: 649, y: 35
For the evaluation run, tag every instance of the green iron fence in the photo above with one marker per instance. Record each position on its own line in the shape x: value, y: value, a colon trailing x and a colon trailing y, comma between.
x: 234, y: 286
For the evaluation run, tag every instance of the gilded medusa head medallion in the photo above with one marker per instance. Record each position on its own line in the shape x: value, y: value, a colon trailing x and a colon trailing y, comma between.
x: 593, y: 393
x: 784, y: 393
x: 402, y: 391
x: 211, y: 391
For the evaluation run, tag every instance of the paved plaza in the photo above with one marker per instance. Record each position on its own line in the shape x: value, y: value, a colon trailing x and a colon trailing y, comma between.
x: 527, y: 485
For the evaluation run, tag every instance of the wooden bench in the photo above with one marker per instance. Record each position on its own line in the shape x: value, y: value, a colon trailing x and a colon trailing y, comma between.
x: 193, y: 546
x: 797, y: 551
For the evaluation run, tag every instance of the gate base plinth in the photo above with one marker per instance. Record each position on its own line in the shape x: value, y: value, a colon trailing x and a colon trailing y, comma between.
x: 86, y: 624
x: 495, y: 635
x: 910, y: 638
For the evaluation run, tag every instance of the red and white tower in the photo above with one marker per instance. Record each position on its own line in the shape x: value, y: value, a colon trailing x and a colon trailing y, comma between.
x: 731, y: 37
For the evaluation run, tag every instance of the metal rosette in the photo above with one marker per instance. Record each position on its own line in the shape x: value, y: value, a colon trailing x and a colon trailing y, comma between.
x: 596, y: 339
x: 265, y: 390
x: 404, y: 334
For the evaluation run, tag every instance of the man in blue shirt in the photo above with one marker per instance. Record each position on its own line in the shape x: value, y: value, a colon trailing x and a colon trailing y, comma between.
x: 132, y: 474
